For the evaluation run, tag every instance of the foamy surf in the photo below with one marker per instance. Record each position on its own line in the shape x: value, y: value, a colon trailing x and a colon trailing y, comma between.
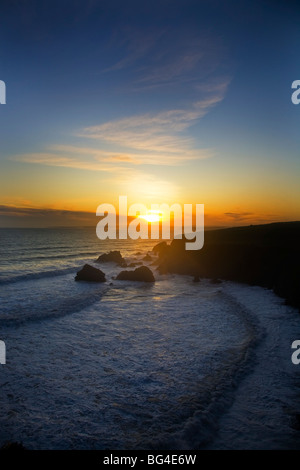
x: 125, y: 365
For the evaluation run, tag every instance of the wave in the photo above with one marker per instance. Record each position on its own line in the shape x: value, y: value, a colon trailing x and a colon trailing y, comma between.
x: 216, y: 391
x: 47, y: 248
x: 58, y: 256
x: 62, y: 308
x: 38, y: 275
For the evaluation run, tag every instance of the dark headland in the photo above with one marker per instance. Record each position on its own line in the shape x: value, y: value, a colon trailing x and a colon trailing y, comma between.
x: 263, y: 255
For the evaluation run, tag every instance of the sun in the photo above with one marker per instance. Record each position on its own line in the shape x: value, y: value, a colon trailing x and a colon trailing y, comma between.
x: 152, y: 216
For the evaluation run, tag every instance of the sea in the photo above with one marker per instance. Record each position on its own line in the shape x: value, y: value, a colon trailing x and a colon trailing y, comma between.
x: 168, y: 365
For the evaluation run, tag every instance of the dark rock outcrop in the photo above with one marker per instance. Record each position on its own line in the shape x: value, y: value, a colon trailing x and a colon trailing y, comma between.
x: 90, y: 274
x: 112, y: 257
x: 141, y: 274
x: 147, y: 258
x: 176, y: 259
x: 160, y: 248
x: 133, y: 265
x: 263, y: 255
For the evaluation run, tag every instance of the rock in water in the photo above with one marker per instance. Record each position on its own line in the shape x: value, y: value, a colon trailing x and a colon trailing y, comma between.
x: 112, y: 256
x: 91, y: 274
x: 147, y: 258
x: 160, y: 248
x: 142, y: 274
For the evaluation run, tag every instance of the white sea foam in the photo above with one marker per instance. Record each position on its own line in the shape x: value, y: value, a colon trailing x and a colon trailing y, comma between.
x: 126, y: 365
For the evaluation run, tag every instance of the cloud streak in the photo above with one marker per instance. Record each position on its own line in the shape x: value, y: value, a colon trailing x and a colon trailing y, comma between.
x: 149, y: 139
x: 166, y: 56
x: 162, y: 138
x: 154, y: 139
x: 17, y: 216
x: 67, y: 159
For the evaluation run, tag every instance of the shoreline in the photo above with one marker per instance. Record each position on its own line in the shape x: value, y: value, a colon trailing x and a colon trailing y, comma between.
x: 263, y: 311
x: 266, y: 255
x: 242, y: 378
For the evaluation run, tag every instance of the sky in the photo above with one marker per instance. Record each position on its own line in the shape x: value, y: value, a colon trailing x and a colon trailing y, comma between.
x: 164, y: 101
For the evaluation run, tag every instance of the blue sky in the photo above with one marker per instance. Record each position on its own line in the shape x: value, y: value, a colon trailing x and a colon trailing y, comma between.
x: 170, y: 101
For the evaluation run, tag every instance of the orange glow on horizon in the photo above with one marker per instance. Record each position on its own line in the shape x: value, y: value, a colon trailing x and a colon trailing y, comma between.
x: 152, y: 216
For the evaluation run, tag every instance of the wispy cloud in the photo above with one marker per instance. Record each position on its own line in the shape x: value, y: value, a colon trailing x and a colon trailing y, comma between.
x: 6, y: 209
x: 160, y: 138
x: 136, y: 45
x: 167, y: 56
x: 17, y: 216
x: 68, y: 161
x: 239, y: 215
x: 148, y: 139
x: 155, y: 139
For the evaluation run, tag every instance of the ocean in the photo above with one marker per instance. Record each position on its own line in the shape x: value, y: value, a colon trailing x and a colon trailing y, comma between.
x: 129, y: 365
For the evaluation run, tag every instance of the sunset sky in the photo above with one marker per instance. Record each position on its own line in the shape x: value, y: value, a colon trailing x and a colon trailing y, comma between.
x: 163, y: 101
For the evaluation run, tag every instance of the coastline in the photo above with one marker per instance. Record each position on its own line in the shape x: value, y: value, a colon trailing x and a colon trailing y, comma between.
x: 170, y: 365
x: 263, y: 255
x: 75, y: 352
